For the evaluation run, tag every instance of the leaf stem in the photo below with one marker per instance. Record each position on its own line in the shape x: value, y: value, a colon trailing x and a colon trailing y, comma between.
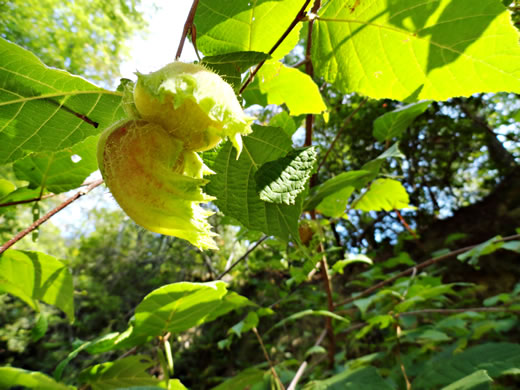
x: 299, y: 17
x: 243, y: 257
x: 47, y: 216
x: 266, y: 355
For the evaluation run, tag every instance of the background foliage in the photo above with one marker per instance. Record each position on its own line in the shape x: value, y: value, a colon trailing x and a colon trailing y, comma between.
x: 368, y: 232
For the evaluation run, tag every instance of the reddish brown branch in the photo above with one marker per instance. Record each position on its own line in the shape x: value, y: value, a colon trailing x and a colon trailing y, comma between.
x: 187, y: 28
x: 405, y: 224
x: 299, y: 17
x: 417, y: 267
x: 266, y: 355
x: 47, y: 216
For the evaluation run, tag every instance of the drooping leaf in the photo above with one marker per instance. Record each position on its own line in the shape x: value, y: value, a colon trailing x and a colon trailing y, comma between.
x: 129, y: 371
x: 394, y: 123
x: 289, y: 86
x: 47, y: 110
x: 496, y: 358
x: 351, y: 258
x: 356, y: 179
x: 59, y: 171
x: 310, y: 312
x: 414, y: 49
x: 366, y: 378
x: 35, y: 276
x: 282, y: 180
x: 6, y: 187
x: 40, y: 328
x: 231, y: 65
x: 180, y: 306
x: 234, y: 184
x: 479, y: 380
x: 11, y: 377
x: 384, y: 194
x: 244, y: 25
x: 482, y: 249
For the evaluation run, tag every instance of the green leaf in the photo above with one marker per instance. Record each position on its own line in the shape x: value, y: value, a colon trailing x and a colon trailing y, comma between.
x: 47, y: 110
x: 496, y: 358
x: 180, y: 306
x: 40, y: 328
x: 289, y: 86
x: 366, y: 378
x: 11, y: 377
x: 479, y: 380
x: 60, y: 171
x: 35, y: 276
x: 231, y: 65
x: 310, y: 312
x: 384, y: 194
x: 285, y: 122
x: 356, y: 179
x: 234, y: 184
x: 375, y: 164
x: 245, y: 25
x: 394, y: 123
x: 359, y: 258
x: 245, y: 379
x: 335, y: 204
x: 129, y: 371
x: 414, y: 49
x: 6, y: 187
x: 282, y: 180
x: 482, y: 249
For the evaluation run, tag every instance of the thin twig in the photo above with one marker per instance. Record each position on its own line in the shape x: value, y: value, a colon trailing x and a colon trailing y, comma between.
x: 27, y: 200
x: 243, y: 257
x: 405, y: 224
x: 46, y: 217
x: 417, y: 267
x: 300, y: 16
x: 345, y: 124
x: 266, y: 355
x: 305, y: 363
x: 187, y: 28
x: 399, y: 360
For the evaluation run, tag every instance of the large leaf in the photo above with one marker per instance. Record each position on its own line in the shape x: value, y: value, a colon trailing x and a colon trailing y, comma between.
x: 417, y: 49
x: 129, y: 371
x: 231, y: 65
x: 246, y: 25
x: 45, y: 109
x: 282, y: 180
x: 289, y: 86
x: 394, y: 123
x: 11, y: 377
x: 234, y: 185
x: 180, y: 306
x: 384, y: 194
x: 496, y: 358
x: 365, y: 378
x: 60, y: 171
x: 35, y: 276
x: 479, y: 380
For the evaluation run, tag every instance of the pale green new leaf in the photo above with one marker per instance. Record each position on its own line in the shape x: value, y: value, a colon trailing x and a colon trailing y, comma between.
x: 310, y: 312
x: 35, y: 276
x: 180, y: 306
x: 479, y: 380
x: 416, y: 49
x: 351, y: 258
x: 394, y: 123
x: 11, y: 377
x: 384, y: 194
x: 234, y: 185
x: 289, y: 86
x: 246, y: 25
x: 129, y: 371
x: 45, y: 109
x: 282, y: 180
x: 60, y: 171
